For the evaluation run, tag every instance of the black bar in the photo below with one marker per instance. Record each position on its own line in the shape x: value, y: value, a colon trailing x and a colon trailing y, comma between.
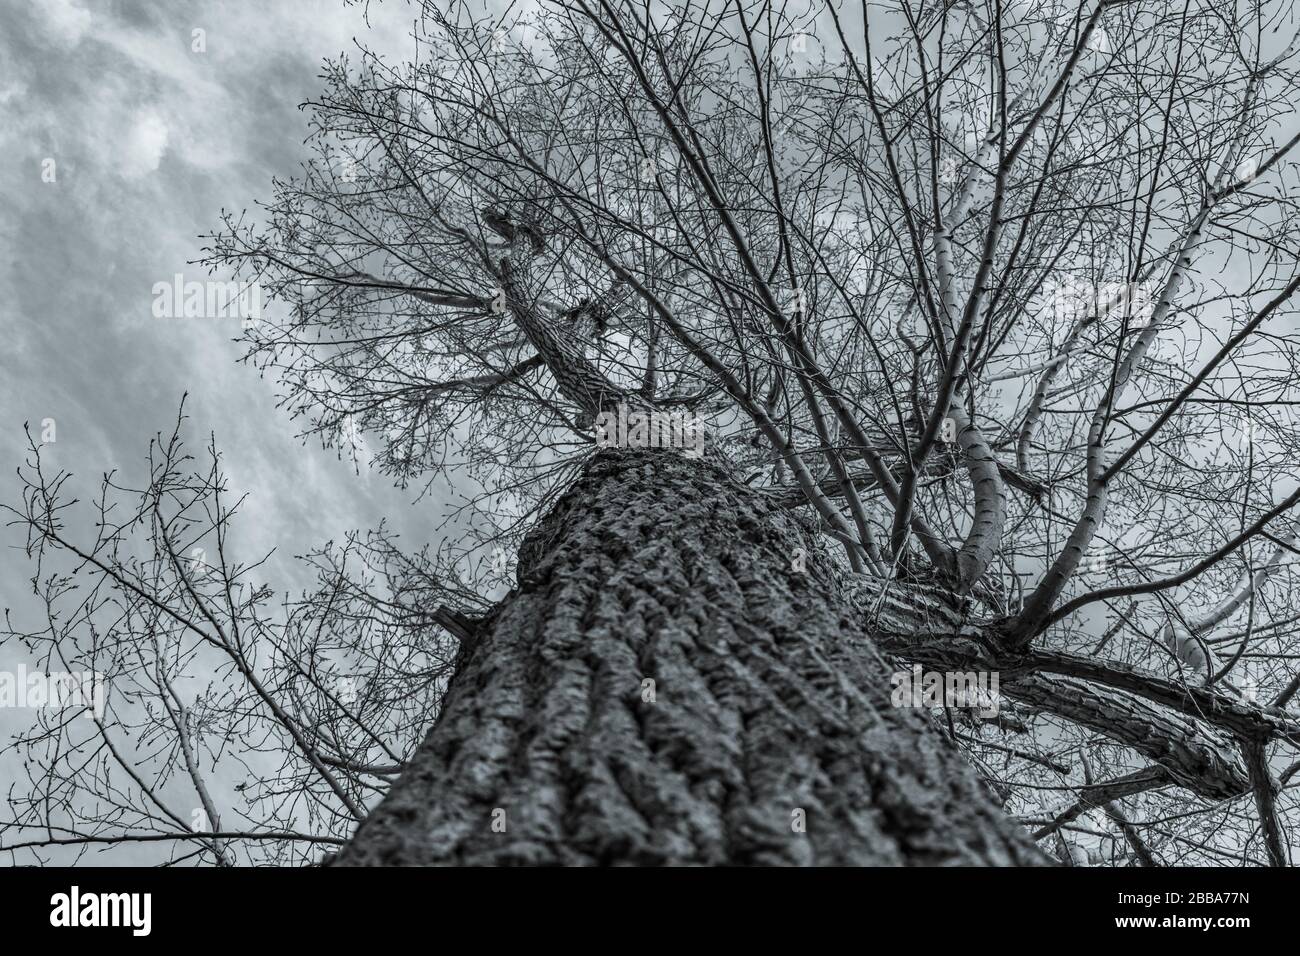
x: 379, y: 908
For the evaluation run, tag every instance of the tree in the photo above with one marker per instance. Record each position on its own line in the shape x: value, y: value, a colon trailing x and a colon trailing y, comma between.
x: 981, y: 309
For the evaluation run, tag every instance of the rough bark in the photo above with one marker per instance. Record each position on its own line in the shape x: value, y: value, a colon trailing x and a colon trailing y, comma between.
x: 1196, y: 757
x: 769, y: 705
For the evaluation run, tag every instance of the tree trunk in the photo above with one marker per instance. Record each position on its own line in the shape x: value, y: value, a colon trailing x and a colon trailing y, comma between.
x: 766, y: 737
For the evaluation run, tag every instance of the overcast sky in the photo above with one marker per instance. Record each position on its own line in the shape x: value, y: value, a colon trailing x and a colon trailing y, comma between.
x: 149, y: 141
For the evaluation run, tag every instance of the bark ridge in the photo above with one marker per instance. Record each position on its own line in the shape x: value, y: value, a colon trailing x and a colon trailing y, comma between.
x: 770, y: 708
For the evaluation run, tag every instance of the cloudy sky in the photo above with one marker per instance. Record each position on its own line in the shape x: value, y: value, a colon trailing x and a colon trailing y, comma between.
x: 148, y: 140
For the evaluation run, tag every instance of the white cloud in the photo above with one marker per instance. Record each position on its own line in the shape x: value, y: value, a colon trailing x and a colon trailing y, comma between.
x: 66, y: 20
x: 9, y: 89
x: 144, y: 145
